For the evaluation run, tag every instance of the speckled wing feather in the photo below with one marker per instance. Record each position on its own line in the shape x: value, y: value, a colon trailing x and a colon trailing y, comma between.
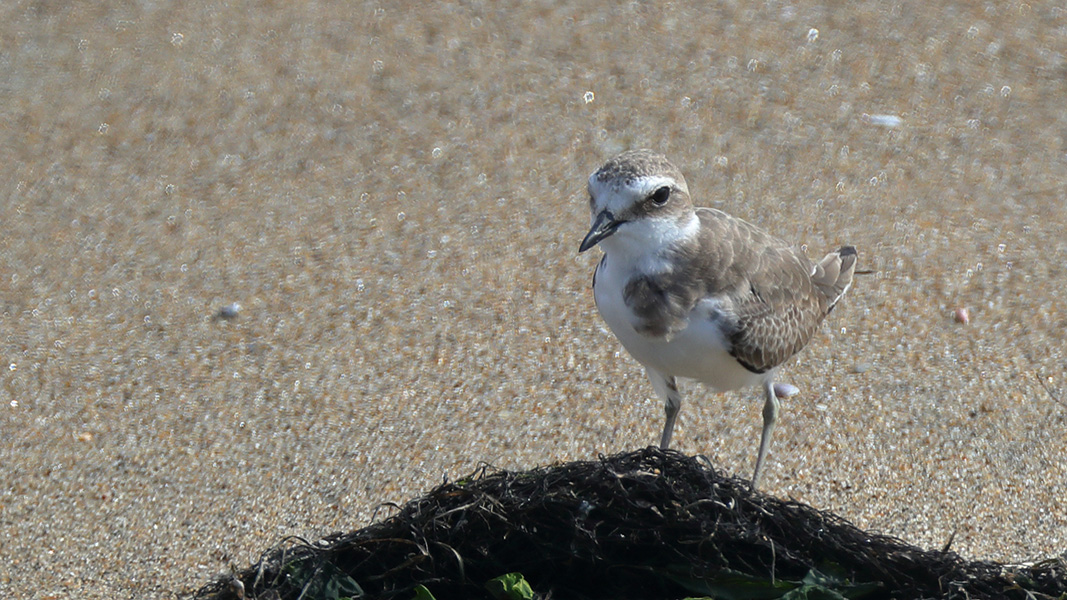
x: 768, y: 290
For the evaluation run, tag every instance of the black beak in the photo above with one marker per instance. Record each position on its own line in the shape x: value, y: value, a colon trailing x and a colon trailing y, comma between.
x: 604, y: 225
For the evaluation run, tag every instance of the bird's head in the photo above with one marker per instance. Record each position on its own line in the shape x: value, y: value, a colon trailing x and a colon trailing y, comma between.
x: 638, y: 199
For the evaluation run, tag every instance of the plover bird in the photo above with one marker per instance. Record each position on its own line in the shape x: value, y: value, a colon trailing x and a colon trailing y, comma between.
x: 696, y: 293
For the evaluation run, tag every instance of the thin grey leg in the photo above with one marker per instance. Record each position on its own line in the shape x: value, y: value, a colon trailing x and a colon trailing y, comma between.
x: 667, y: 389
x: 770, y: 416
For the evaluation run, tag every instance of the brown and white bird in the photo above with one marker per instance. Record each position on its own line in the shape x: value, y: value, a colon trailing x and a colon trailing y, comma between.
x: 696, y: 293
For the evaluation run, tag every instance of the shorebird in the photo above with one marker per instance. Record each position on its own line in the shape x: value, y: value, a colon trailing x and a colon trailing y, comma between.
x: 698, y: 294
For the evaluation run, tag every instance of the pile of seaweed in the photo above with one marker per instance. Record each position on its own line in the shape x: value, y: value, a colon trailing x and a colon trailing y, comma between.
x: 646, y: 524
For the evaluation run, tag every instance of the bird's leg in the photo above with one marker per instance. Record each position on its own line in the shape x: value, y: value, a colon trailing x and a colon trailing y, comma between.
x: 666, y: 388
x: 671, y: 408
x: 770, y: 416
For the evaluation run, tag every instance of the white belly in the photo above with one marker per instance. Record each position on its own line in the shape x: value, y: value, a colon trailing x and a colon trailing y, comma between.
x: 700, y: 351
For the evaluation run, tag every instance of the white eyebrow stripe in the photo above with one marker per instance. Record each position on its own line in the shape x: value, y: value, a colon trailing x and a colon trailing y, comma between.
x: 620, y: 194
x: 650, y: 183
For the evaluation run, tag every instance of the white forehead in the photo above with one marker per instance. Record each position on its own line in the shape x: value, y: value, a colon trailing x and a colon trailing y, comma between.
x: 616, y: 194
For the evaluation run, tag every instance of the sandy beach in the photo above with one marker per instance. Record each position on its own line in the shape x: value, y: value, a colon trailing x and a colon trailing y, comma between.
x: 387, y: 199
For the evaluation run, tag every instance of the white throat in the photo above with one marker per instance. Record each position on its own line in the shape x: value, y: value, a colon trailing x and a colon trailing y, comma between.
x: 644, y: 245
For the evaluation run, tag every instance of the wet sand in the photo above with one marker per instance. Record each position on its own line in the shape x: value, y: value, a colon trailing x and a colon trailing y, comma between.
x: 394, y: 194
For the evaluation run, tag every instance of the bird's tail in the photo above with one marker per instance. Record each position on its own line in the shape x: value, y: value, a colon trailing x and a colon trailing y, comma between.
x: 833, y: 275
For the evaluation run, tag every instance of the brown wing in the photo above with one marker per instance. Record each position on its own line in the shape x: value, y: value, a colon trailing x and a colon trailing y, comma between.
x: 777, y: 315
x: 774, y: 306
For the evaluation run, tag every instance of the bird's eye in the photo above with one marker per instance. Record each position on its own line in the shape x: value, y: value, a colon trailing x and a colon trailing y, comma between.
x: 660, y: 196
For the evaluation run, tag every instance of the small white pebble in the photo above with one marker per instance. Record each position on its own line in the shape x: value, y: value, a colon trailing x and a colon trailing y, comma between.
x: 884, y: 120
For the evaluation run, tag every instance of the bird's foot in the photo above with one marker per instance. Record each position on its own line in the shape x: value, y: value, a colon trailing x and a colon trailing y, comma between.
x: 785, y: 390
